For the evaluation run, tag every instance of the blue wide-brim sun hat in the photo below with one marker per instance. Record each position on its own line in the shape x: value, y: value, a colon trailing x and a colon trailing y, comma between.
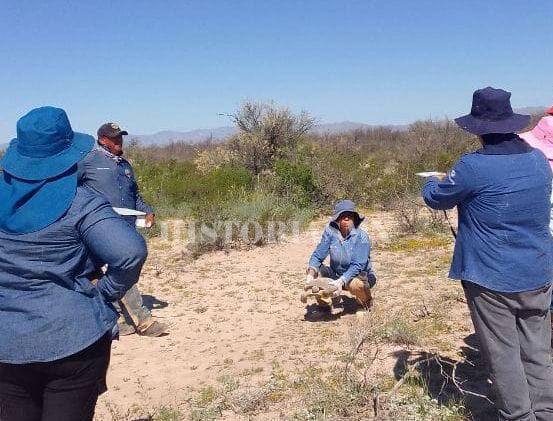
x: 491, y: 112
x: 29, y: 206
x: 45, y: 146
x: 345, y: 206
x: 39, y: 178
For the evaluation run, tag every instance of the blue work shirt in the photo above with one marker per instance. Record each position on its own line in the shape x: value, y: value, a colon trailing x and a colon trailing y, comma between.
x: 112, y: 177
x: 348, y: 256
x: 49, y: 309
x: 502, y: 194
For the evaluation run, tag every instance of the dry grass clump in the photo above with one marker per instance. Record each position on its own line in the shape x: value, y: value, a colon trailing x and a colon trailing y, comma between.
x: 245, y: 399
x: 143, y: 413
x: 414, y: 243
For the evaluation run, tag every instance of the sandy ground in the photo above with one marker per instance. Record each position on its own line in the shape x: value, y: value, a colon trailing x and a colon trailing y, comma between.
x: 238, y: 313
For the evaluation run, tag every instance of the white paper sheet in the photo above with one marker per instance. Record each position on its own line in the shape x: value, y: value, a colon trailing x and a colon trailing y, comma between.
x: 431, y: 174
x: 128, y: 212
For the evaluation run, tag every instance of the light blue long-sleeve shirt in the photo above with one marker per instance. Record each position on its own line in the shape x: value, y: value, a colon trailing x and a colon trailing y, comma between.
x: 348, y: 256
x: 502, y: 194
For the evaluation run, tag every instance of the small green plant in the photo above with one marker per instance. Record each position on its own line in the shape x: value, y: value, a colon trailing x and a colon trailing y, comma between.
x: 401, y: 332
x: 168, y: 414
x: 415, y: 399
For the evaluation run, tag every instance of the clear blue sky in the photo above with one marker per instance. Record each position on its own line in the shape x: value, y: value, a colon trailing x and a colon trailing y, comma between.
x: 154, y: 65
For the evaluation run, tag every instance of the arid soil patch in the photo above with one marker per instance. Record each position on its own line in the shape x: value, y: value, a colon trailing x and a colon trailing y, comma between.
x: 237, y: 325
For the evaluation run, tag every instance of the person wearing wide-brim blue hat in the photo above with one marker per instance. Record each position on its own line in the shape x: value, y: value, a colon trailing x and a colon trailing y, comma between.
x: 349, y: 248
x: 46, y: 148
x: 503, y: 252
x: 54, y: 236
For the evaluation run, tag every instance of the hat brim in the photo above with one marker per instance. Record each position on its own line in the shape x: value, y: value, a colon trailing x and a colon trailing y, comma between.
x: 49, y: 201
x: 31, y: 168
x: 115, y: 134
x: 337, y: 215
x: 473, y: 125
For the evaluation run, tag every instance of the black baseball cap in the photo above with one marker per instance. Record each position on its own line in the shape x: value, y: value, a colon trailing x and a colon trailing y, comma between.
x: 110, y: 130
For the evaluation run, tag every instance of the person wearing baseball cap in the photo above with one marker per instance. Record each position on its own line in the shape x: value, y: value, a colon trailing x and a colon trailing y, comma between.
x: 108, y: 173
x: 503, y: 254
x: 110, y: 136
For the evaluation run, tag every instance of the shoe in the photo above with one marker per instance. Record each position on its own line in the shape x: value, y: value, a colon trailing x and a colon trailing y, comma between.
x: 155, y: 329
x: 125, y: 329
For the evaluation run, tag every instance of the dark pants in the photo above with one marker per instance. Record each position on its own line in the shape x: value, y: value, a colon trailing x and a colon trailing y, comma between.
x: 514, y: 332
x: 61, y: 390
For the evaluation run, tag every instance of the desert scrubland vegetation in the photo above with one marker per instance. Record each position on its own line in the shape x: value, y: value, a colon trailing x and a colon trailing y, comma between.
x: 274, y: 169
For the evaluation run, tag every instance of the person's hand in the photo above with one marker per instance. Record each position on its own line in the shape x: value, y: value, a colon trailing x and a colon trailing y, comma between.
x: 310, y: 275
x: 441, y: 176
x: 338, y: 284
x: 150, y: 219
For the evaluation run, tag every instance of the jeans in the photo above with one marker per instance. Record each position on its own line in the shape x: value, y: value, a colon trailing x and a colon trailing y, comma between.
x: 359, y: 287
x: 133, y: 310
x: 66, y: 389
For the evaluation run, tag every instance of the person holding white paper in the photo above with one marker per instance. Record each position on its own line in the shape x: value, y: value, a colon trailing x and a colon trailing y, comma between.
x: 106, y: 171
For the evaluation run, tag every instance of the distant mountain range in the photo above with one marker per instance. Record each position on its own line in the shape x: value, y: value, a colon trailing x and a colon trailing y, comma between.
x: 193, y: 136
x: 530, y: 110
x: 219, y: 134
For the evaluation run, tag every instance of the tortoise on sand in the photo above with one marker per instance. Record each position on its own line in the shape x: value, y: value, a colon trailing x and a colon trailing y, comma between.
x: 321, y: 289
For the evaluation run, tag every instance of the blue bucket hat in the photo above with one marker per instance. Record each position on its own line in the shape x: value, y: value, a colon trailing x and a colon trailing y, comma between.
x: 346, y: 206
x: 491, y: 112
x: 39, y: 177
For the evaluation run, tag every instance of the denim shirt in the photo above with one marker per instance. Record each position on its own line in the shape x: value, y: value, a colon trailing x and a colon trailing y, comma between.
x: 502, y: 194
x: 49, y: 309
x: 113, y: 177
x: 348, y: 256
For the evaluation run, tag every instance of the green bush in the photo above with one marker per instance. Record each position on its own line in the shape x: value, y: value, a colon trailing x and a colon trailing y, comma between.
x: 295, y: 181
x: 177, y: 189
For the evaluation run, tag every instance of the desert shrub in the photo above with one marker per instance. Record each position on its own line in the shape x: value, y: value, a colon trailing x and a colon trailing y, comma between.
x: 178, y: 189
x: 267, y: 132
x: 257, y: 218
x: 175, y: 151
x: 375, y: 167
x: 295, y: 181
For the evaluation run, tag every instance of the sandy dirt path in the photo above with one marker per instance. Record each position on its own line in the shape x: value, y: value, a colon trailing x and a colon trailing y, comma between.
x: 238, y: 313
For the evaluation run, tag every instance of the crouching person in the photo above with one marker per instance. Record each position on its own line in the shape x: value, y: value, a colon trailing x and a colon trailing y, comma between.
x: 349, y: 249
